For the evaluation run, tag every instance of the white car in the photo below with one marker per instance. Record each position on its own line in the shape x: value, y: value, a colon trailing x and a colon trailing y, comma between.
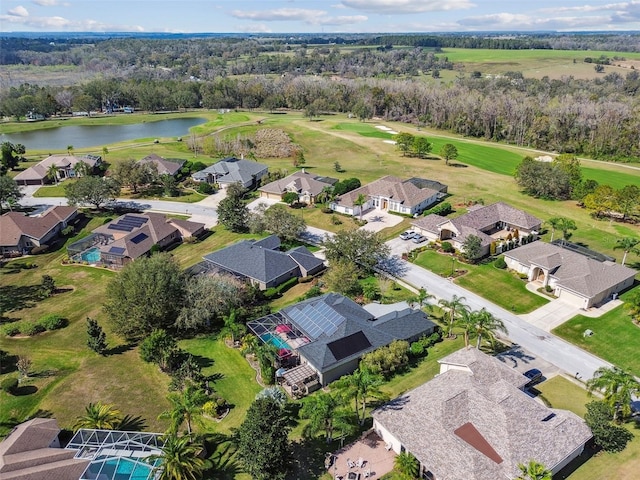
x: 407, y: 235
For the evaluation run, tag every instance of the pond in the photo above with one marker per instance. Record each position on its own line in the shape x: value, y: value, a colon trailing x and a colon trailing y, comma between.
x: 82, y: 136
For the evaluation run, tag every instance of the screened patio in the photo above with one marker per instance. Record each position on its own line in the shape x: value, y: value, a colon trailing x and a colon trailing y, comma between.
x: 278, y: 330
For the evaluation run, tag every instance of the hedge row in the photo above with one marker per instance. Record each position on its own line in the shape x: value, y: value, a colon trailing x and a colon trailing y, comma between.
x: 50, y: 321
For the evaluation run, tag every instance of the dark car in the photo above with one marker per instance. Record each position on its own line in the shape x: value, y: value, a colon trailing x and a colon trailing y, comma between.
x: 534, y: 375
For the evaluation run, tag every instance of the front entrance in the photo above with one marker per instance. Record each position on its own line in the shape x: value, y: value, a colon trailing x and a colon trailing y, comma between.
x: 385, y: 204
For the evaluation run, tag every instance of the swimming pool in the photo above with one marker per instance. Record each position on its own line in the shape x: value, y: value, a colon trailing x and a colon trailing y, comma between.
x: 92, y: 255
x: 274, y: 340
x: 119, y: 469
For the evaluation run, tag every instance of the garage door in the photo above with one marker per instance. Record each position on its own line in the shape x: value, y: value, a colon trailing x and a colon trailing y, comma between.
x: 571, y: 298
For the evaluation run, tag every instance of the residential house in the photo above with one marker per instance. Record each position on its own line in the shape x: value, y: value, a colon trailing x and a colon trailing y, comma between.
x: 489, y: 223
x: 232, y: 170
x: 388, y: 194
x: 66, y: 166
x: 163, y: 166
x: 19, y: 233
x: 329, y: 334
x: 306, y: 185
x: 575, y: 278
x: 32, y: 451
x: 131, y: 236
x: 263, y: 263
x: 473, y: 421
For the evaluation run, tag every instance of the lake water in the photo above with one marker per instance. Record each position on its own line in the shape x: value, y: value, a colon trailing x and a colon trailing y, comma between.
x: 83, y: 136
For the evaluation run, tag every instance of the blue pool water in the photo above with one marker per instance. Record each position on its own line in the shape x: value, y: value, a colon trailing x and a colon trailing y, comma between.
x: 92, y: 255
x: 274, y: 340
x: 127, y: 470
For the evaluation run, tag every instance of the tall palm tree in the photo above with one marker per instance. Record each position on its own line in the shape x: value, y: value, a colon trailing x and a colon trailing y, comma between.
x: 617, y: 388
x: 69, y: 149
x: 486, y: 324
x: 82, y: 169
x: 232, y: 328
x: 180, y: 459
x: 565, y: 225
x: 407, y: 465
x: 627, y: 244
x: 554, y: 223
x: 324, y: 414
x: 423, y: 297
x: 455, y: 306
x: 52, y: 173
x: 100, y: 416
x: 466, y: 320
x: 361, y: 385
x: 186, y: 406
x: 534, y: 471
x: 359, y: 202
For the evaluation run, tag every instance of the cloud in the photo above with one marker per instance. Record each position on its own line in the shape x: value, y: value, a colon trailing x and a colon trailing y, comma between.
x: 310, y: 17
x: 510, y: 21
x: 254, y: 28
x: 19, y: 11
x: 56, y: 23
x: 407, y: 6
x: 46, y: 3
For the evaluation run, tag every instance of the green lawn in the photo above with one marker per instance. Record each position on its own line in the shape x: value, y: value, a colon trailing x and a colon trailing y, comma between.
x: 52, y: 190
x: 616, y: 337
x: 565, y: 394
x: 499, y: 286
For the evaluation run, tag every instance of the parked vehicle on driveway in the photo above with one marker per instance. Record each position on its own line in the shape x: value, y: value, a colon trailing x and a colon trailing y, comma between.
x: 419, y: 238
x: 407, y: 235
x: 534, y: 375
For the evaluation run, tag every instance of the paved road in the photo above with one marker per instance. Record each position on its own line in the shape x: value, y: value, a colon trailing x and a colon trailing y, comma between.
x: 543, y: 344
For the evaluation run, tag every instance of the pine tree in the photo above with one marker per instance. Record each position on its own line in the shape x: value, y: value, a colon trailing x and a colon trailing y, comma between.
x: 97, y: 340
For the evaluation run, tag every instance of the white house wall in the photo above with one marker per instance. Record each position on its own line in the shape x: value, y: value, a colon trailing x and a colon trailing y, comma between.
x: 387, y: 437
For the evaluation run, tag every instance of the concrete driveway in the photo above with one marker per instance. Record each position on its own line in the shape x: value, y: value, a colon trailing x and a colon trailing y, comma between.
x: 523, y: 360
x: 551, y: 315
x: 267, y: 201
x: 378, y: 220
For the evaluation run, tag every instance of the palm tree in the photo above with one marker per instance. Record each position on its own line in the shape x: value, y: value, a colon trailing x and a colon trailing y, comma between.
x: 100, y: 416
x: 407, y: 465
x: 423, y: 297
x: 627, y: 244
x: 105, y: 152
x: 186, y: 406
x: 534, y: 471
x: 232, y: 328
x: 553, y: 223
x: 82, y: 169
x: 455, y: 307
x: 467, y: 322
x: 69, y: 149
x: 361, y: 385
x: 180, y: 459
x: 563, y: 224
x: 359, y: 202
x: 52, y: 173
x: 486, y: 324
x: 617, y: 388
x: 324, y: 414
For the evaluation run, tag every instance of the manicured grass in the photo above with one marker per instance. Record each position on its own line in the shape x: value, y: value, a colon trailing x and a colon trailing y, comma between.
x: 235, y: 379
x: 365, y: 129
x: 498, y: 286
x: 314, y: 217
x: 565, y: 394
x: 52, y: 190
x: 616, y: 337
x: 189, y: 254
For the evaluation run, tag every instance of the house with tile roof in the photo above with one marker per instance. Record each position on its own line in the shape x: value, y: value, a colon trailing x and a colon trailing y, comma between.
x: 388, y: 194
x: 575, y: 278
x: 473, y: 421
x: 162, y: 165
x: 330, y: 334
x: 19, y: 233
x: 263, y: 263
x: 232, y: 170
x: 489, y: 223
x: 306, y: 185
x: 131, y: 236
x: 66, y: 166
x: 32, y: 451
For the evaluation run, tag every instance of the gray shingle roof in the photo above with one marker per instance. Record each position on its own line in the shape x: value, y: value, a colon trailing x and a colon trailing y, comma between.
x: 298, y: 182
x: 573, y: 271
x: 425, y: 420
x: 232, y: 170
x: 395, y: 188
x: 305, y: 258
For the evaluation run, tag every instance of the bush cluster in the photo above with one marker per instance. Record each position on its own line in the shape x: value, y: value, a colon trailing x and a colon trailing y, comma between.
x: 275, y: 292
x: 447, y: 247
x: 500, y: 263
x: 9, y: 385
x: 442, y: 209
x: 205, y: 188
x: 419, y: 347
x: 50, y: 321
x: 53, y: 321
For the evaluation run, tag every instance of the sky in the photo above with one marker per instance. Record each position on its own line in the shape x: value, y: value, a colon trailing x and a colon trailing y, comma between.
x: 313, y: 16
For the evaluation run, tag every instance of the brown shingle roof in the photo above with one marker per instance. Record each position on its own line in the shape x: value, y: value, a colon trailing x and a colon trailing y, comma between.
x: 298, y: 182
x: 392, y: 187
x: 39, y: 170
x: 483, y: 217
x: 14, y: 224
x: 164, y: 166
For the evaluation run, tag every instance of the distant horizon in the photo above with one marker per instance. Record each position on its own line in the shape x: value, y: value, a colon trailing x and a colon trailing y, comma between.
x: 316, y: 16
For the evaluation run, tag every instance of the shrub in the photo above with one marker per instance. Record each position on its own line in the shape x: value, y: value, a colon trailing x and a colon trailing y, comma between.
x: 447, y: 247
x: 190, y: 240
x: 443, y: 209
x: 416, y: 349
x: 548, y: 288
x: 52, y: 321
x: 68, y: 230
x: 9, y: 385
x: 500, y: 263
x: 205, y: 188
x: 39, y: 249
x: 335, y: 220
x: 30, y: 329
x: 11, y: 330
x: 523, y: 276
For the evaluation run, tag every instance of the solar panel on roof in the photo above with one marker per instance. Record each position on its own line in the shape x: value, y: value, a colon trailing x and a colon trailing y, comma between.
x: 140, y: 220
x: 350, y: 345
x: 122, y: 228
x: 139, y: 238
x: 116, y: 250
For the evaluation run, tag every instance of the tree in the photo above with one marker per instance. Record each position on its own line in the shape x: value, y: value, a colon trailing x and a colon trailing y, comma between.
x: 627, y: 201
x: 543, y: 179
x: 603, y: 200
x: 455, y: 306
x: 422, y: 298
x: 281, y: 222
x: 134, y: 174
x: 534, y: 471
x: 186, y: 406
x: 232, y: 211
x: 95, y: 191
x: 346, y: 185
x: 566, y: 225
x: 69, y: 149
x: 342, y: 278
x: 360, y: 386
x: 97, y: 339
x: 99, y: 416
x: 448, y: 152
x: 82, y: 169
x: 554, y: 223
x: 406, y: 465
x: 160, y: 348
x: 404, y: 142
x: 466, y: 321
x: 627, y: 244
x: 275, y: 394
x: 359, y: 202
x: 146, y: 295
x: 262, y: 439
x: 9, y: 191
x: 325, y: 415
x: 24, y: 365
x: 290, y: 198
x: 387, y: 360
x: 105, y: 151
x: 169, y: 185
x: 606, y: 435
x: 52, y: 173
x: 233, y: 327
x: 180, y: 459
x: 486, y: 324
x: 421, y: 146
x: 617, y: 388
x: 361, y: 247
x: 472, y: 248
x: 48, y: 286
x: 12, y: 155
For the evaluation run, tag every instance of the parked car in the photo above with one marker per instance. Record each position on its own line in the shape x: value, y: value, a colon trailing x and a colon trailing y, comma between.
x: 419, y: 238
x: 534, y: 375
x: 407, y: 235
